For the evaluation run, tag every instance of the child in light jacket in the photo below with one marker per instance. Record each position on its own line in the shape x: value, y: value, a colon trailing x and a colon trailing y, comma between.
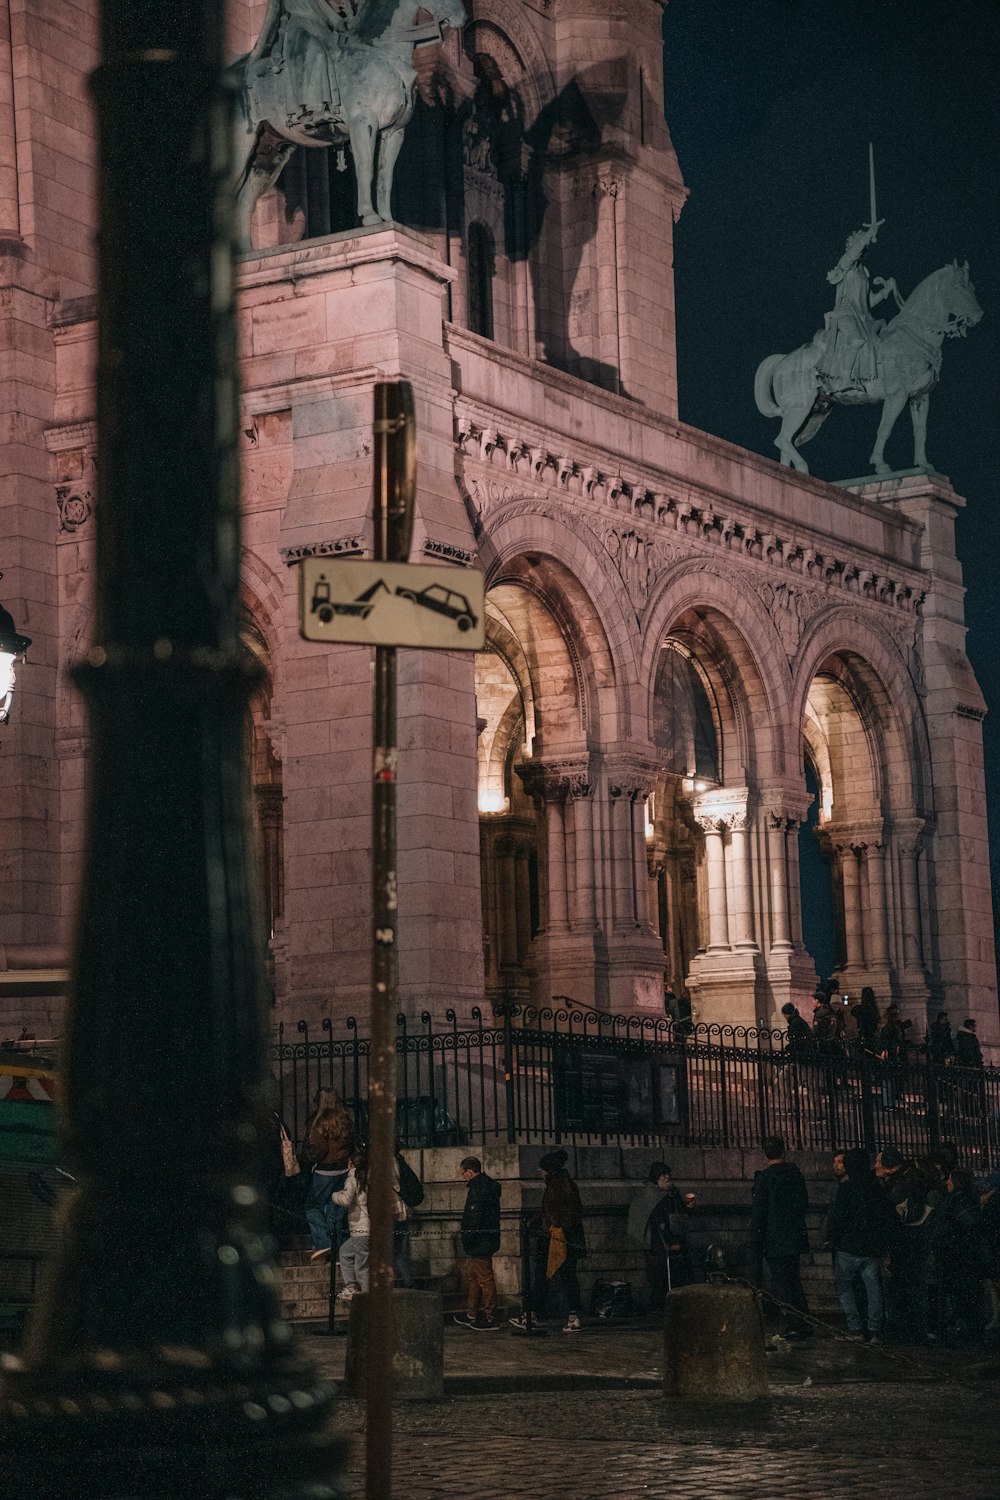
x: 354, y: 1251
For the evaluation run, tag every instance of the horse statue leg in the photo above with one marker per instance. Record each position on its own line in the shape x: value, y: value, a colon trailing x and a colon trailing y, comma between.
x: 265, y: 158
x: 389, y: 143
x: 893, y: 404
x: 919, y: 406
x: 363, y: 131
x: 794, y: 388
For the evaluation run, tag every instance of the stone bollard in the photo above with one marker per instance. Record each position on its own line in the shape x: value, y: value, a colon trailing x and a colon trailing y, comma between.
x: 714, y: 1345
x: 418, y: 1357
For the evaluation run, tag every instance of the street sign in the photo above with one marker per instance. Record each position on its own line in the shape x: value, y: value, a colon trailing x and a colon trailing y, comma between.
x: 391, y: 604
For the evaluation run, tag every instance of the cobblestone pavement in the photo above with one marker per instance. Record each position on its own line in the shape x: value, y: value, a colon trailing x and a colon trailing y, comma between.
x: 842, y: 1422
x: 911, y: 1443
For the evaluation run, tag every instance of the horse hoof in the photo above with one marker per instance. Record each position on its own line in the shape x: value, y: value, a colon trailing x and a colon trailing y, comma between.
x: 368, y: 220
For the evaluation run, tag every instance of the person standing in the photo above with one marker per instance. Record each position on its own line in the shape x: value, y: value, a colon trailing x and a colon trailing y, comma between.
x: 354, y: 1251
x: 867, y: 1017
x: 328, y: 1143
x: 910, y: 1260
x: 561, y: 1243
x: 798, y: 1037
x: 862, y: 1230
x: 941, y: 1041
x: 480, y: 1241
x: 656, y: 1222
x: 968, y: 1052
x: 778, y: 1233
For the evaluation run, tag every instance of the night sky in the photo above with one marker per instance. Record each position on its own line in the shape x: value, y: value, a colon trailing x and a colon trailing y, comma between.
x: 771, y: 105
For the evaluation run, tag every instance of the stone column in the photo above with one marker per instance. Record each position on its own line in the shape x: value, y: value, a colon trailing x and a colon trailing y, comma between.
x: 622, y: 856
x: 741, y: 918
x: 876, y: 935
x: 909, y: 846
x: 584, y: 911
x: 522, y: 888
x: 794, y: 885
x: 777, y: 860
x: 555, y: 841
x: 508, y: 904
x: 715, y: 879
x: 854, y: 952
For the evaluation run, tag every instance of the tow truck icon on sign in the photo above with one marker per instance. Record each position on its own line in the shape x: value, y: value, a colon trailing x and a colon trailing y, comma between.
x: 436, y: 597
x: 325, y: 607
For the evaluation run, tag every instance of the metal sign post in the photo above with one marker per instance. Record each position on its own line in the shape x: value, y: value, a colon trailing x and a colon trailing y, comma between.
x: 395, y: 473
x: 385, y: 603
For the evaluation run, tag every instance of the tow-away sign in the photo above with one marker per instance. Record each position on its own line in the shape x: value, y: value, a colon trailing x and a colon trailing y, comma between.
x: 391, y: 604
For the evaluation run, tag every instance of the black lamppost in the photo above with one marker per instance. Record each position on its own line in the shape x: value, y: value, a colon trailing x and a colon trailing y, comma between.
x: 12, y: 648
x: 158, y: 1364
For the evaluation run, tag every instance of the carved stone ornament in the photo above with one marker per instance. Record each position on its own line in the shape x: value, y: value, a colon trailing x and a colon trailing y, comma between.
x: 76, y: 506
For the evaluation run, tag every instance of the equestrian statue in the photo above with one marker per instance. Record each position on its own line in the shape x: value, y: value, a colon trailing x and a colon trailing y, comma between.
x: 858, y: 359
x: 325, y: 73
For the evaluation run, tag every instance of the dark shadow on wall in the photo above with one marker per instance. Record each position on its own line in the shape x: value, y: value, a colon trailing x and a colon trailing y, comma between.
x: 545, y: 172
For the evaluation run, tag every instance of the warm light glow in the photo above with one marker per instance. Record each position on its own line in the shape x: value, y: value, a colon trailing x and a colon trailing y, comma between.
x: 701, y: 786
x: 492, y: 802
x: 7, y: 660
x: 650, y: 816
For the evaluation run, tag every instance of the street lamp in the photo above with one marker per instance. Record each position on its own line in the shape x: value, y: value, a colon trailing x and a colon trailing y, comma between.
x: 12, y: 646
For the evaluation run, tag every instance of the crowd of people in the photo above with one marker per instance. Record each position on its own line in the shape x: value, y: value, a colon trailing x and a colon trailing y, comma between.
x: 915, y: 1244
x: 840, y: 1027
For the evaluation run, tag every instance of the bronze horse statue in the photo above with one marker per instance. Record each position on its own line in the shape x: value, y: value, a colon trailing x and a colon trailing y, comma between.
x: 908, y: 363
x: 320, y: 76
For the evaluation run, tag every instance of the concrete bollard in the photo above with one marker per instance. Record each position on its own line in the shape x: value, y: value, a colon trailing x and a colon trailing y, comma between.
x: 714, y: 1345
x: 418, y: 1356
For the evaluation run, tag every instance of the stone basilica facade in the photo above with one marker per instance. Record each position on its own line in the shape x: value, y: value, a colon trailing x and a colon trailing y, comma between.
x: 711, y: 684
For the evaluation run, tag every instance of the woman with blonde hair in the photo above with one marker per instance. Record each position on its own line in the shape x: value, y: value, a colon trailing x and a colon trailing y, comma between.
x: 328, y: 1143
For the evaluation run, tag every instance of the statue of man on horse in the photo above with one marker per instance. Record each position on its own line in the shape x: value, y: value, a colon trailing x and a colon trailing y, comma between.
x: 328, y: 72
x: 848, y: 349
x: 857, y: 358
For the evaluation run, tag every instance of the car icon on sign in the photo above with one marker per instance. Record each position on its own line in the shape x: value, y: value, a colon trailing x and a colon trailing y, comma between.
x: 444, y: 602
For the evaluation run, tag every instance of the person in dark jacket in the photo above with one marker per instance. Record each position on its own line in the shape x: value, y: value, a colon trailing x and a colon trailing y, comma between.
x: 798, y: 1037
x: 778, y: 1233
x: 866, y: 1014
x: 560, y: 1243
x: 656, y: 1221
x: 968, y: 1052
x: 956, y: 1234
x: 480, y: 1241
x: 862, y: 1231
x: 910, y: 1259
x: 941, y: 1041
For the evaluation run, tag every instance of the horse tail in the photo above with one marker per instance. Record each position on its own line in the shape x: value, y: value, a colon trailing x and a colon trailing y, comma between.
x: 763, y: 394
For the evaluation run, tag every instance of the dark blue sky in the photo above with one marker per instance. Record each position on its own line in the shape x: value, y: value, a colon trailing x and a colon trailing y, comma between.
x: 771, y: 105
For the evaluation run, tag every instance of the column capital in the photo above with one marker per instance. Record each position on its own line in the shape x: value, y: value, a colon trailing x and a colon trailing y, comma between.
x: 786, y: 807
x: 910, y: 834
x: 545, y: 781
x: 634, y: 779
x: 722, y: 807
x: 856, y: 837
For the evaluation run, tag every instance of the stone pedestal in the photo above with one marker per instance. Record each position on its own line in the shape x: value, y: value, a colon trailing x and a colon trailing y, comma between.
x: 713, y: 1346
x: 418, y: 1358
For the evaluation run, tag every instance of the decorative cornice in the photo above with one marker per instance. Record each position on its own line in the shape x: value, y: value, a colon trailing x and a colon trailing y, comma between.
x: 659, y: 521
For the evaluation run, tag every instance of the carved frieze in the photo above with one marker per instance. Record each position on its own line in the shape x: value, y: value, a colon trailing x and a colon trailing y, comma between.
x: 813, y: 578
x: 342, y: 546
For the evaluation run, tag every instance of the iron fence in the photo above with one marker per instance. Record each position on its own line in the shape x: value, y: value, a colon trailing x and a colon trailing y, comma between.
x: 531, y: 1075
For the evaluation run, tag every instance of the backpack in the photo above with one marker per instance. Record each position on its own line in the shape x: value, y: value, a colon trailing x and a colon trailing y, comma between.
x: 411, y: 1189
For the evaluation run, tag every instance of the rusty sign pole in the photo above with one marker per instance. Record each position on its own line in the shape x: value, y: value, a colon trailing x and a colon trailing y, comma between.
x: 395, y: 472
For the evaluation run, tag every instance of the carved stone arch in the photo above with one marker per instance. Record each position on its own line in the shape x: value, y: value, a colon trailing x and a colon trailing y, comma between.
x: 883, y: 691
x: 596, y: 613
x: 262, y: 589
x: 504, y: 33
x: 750, y: 659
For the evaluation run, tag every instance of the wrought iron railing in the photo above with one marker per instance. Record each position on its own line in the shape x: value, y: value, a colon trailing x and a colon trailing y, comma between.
x: 530, y: 1075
